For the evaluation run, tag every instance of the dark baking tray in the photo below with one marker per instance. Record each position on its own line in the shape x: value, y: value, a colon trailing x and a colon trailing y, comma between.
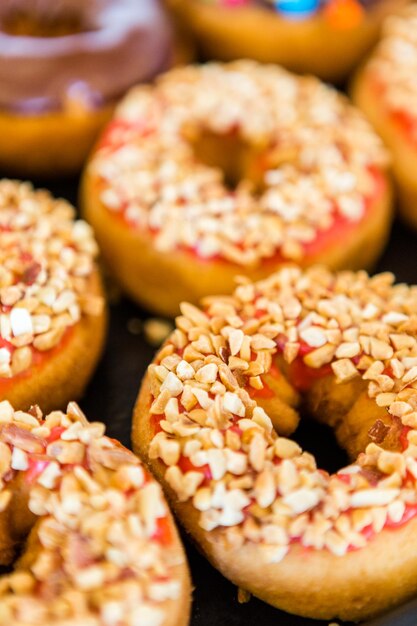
x: 110, y: 398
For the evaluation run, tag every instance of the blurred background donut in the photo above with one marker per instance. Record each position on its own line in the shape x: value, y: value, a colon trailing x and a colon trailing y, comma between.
x: 323, y: 37
x: 63, y: 65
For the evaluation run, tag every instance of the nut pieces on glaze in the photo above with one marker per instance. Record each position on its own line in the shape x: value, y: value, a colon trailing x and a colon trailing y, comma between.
x: 394, y: 62
x: 239, y: 474
x: 104, y: 550
x: 321, y: 154
x: 46, y: 261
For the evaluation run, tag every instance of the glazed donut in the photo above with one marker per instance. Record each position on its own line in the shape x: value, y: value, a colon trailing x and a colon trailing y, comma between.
x: 306, y: 169
x: 63, y: 64
x: 52, y: 316
x: 323, y: 38
x: 223, y: 390
x: 385, y: 90
x: 102, y: 549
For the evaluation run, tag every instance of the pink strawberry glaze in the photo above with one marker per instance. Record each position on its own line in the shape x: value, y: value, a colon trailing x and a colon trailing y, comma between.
x: 118, y: 132
x: 39, y: 359
x: 404, y: 120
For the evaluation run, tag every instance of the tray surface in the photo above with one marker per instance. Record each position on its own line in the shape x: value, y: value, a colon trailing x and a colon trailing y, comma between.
x: 110, y: 398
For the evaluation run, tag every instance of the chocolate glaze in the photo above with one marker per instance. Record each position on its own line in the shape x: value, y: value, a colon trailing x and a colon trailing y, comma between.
x: 121, y: 42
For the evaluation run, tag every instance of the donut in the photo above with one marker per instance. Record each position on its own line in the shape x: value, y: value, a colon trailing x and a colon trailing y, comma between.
x: 326, y: 38
x: 219, y: 170
x: 63, y: 65
x: 386, y: 92
x: 101, y: 547
x: 52, y: 315
x: 213, y: 417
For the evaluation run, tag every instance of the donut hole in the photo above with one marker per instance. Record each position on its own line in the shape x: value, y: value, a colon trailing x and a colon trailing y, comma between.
x: 30, y: 22
x: 334, y: 422
x: 239, y: 161
x: 17, y: 525
x: 320, y: 440
x: 14, y: 557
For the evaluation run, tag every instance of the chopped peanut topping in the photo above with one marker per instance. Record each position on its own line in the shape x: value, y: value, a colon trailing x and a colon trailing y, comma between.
x: 394, y: 63
x: 101, y: 552
x: 220, y: 448
x: 46, y: 262
x: 311, y: 157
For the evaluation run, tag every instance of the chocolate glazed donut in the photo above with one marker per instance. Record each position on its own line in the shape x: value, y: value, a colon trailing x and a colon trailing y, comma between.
x: 62, y: 67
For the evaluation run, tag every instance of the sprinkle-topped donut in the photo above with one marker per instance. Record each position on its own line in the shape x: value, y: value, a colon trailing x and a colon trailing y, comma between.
x: 51, y: 302
x: 305, y: 168
x: 102, y: 548
x: 327, y: 38
x: 226, y: 383
x: 386, y: 90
